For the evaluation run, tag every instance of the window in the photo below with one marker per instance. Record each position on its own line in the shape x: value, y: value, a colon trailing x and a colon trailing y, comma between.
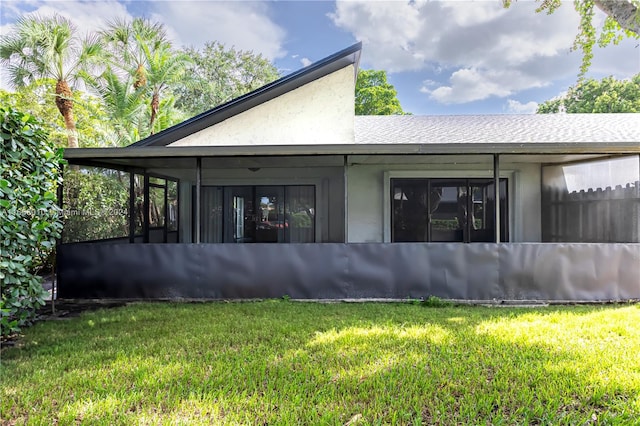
x: 258, y: 214
x: 96, y: 204
x: 101, y: 203
x: 157, y: 195
x: 163, y: 210
x: 172, y: 205
x: 446, y: 210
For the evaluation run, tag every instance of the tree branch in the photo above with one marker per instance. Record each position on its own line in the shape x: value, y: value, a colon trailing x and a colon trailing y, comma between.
x: 624, y: 12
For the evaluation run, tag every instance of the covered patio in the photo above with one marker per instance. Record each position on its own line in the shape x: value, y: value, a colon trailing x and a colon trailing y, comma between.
x: 555, y: 235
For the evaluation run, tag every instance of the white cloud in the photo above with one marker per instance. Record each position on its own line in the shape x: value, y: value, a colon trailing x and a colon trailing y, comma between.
x: 86, y: 16
x: 516, y: 107
x: 388, y: 29
x: 243, y: 25
x: 472, y: 84
x: 480, y: 49
x: 427, y: 85
x: 621, y: 61
x: 468, y: 85
x: 306, y: 62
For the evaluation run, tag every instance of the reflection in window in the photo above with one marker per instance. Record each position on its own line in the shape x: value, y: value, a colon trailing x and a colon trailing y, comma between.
x: 263, y: 214
x: 447, y: 210
x: 172, y: 205
x: 138, y: 206
x: 156, y: 206
x: 300, y: 204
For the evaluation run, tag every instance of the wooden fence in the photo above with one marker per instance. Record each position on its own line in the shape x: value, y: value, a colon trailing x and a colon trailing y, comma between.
x: 611, y: 215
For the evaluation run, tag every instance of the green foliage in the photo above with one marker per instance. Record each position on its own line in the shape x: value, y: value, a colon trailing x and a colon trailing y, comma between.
x: 142, y: 85
x: 217, y: 75
x: 435, y: 302
x: 143, y: 68
x: 29, y: 215
x: 623, y: 20
x: 93, y: 126
x: 375, y: 96
x: 49, y: 47
x: 300, y: 220
x: 96, y: 204
x: 597, y: 96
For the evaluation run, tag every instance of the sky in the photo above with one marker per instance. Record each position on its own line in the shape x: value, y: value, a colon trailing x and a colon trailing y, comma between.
x: 443, y: 57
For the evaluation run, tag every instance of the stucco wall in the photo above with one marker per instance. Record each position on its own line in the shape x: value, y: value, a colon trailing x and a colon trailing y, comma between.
x: 368, y: 207
x: 320, y: 112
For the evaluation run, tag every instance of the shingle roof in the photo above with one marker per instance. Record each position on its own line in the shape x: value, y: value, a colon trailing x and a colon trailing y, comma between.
x: 471, y: 134
x: 497, y: 129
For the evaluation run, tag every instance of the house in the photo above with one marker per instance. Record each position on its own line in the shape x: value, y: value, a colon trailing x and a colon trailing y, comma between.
x: 284, y: 191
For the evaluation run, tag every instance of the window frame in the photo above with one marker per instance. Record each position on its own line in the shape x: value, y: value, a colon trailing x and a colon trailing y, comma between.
x: 509, y: 175
x: 253, y: 186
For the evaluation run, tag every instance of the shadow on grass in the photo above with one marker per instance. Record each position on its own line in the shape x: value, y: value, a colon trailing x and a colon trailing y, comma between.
x: 277, y: 362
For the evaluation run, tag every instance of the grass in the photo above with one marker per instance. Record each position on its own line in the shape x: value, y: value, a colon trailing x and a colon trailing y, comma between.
x: 280, y: 362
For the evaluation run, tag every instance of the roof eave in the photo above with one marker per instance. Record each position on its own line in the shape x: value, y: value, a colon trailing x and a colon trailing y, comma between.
x: 608, y: 148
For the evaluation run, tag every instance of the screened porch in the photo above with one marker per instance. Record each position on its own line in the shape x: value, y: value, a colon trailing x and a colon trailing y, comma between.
x: 390, y: 226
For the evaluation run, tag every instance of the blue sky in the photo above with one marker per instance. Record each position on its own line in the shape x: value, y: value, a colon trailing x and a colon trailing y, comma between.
x: 443, y: 57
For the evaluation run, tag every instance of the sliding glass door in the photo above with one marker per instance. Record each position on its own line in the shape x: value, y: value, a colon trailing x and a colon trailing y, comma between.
x: 258, y: 214
x: 446, y: 210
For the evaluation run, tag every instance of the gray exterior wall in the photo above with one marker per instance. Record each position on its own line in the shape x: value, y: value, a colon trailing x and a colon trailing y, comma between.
x: 368, y: 188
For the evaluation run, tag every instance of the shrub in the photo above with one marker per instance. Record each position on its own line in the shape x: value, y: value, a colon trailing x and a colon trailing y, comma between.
x: 29, y: 215
x: 436, y: 302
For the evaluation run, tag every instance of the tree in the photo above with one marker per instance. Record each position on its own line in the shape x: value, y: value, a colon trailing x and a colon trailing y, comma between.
x: 597, y: 96
x: 123, y: 105
x: 375, y: 96
x: 92, y: 125
x: 165, y: 68
x: 217, y: 75
x: 49, y: 48
x: 142, y: 50
x: 623, y: 19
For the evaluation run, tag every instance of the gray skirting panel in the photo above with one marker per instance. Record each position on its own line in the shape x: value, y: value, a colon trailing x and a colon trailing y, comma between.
x: 549, y: 271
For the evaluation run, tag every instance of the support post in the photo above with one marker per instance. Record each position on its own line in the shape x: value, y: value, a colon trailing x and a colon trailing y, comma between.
x: 496, y: 184
x: 345, y: 177
x: 132, y: 207
x: 146, y: 206
x: 198, y: 193
x: 54, y: 272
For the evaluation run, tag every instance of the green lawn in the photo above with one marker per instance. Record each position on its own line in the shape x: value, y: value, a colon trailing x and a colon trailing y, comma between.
x: 279, y: 362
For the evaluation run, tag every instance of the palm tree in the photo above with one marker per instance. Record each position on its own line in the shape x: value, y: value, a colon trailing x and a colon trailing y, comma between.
x: 123, y: 104
x: 141, y: 49
x: 165, y: 68
x: 49, y: 48
x: 125, y: 41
